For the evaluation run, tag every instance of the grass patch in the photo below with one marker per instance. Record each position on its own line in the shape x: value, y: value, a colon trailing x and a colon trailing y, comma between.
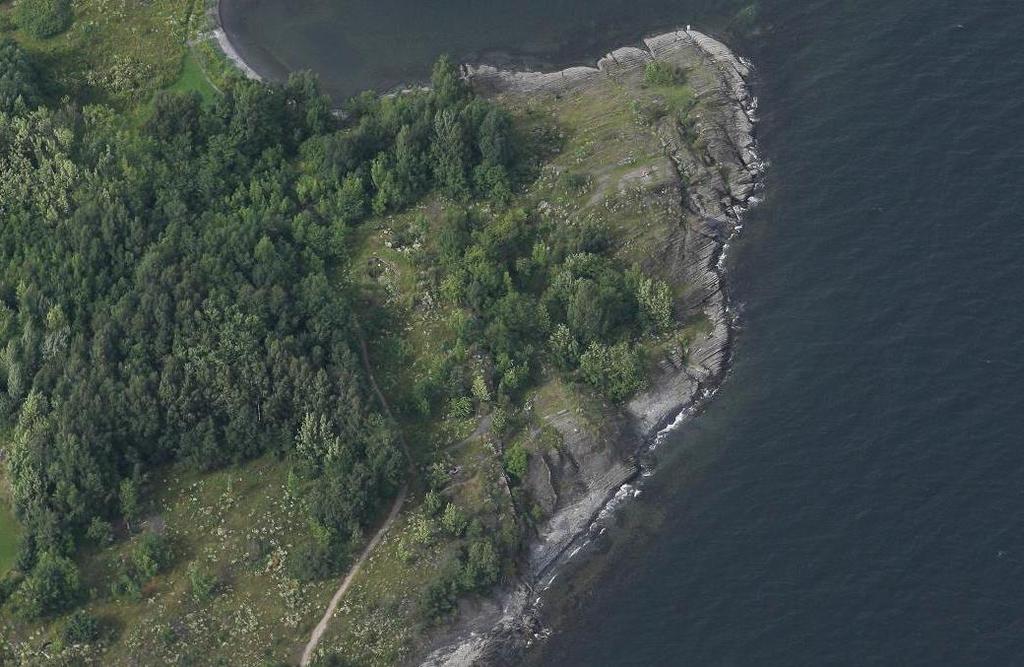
x: 194, y: 79
x: 233, y: 531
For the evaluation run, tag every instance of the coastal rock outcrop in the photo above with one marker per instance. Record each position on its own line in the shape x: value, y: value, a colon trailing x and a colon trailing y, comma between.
x: 711, y: 175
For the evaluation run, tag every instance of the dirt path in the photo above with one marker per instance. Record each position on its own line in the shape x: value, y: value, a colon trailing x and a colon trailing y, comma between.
x: 380, y: 396
x: 321, y: 627
x: 396, y: 507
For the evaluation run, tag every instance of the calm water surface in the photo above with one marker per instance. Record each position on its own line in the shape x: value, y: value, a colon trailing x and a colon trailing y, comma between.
x: 855, y: 494
x: 361, y: 44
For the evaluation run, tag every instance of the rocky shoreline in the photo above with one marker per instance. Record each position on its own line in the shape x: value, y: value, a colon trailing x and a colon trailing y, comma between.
x: 721, y: 177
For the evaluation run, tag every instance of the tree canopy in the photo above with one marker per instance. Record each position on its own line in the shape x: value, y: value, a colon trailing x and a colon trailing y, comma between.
x: 177, y: 292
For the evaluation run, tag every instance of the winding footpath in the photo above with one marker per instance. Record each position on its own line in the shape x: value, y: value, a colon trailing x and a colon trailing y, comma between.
x: 396, y: 507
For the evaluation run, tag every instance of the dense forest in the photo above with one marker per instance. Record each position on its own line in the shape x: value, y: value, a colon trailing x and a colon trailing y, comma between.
x: 178, y: 289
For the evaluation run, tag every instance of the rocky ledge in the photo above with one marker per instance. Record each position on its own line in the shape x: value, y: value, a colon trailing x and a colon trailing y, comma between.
x: 716, y: 173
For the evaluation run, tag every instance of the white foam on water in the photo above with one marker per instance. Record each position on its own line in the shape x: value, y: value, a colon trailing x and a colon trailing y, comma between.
x: 625, y: 492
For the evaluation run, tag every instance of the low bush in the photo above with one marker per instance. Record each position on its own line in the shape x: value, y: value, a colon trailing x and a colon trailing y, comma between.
x: 81, y: 628
x: 659, y: 73
x: 313, y: 561
x: 43, y: 18
x: 151, y: 555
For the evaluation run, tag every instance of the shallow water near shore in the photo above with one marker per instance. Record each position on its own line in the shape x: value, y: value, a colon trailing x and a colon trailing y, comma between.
x: 853, y: 495
x: 361, y: 44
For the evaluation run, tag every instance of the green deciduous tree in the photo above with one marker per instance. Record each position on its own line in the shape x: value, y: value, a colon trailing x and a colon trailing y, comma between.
x: 482, y: 566
x: 516, y: 460
x: 448, y: 86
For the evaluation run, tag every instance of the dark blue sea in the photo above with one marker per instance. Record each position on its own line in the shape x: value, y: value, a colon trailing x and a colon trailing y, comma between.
x: 854, y: 495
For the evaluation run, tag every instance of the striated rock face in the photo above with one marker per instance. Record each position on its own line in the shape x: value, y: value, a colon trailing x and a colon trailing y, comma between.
x: 720, y: 167
x: 591, y: 463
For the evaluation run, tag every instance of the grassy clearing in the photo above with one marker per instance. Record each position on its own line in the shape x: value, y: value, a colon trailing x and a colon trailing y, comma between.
x: 194, y: 79
x: 120, y: 52
x: 612, y: 146
x: 235, y: 526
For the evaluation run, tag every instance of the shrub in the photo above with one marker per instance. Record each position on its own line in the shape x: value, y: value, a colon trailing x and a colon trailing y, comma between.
x: 516, y: 459
x: 123, y: 585
x: 439, y: 597
x: 433, y: 502
x: 501, y: 421
x: 438, y: 601
x: 43, y: 18
x: 438, y: 475
x: 421, y: 529
x: 481, y: 569
x: 658, y: 73
x: 454, y: 520
x: 202, y: 583
x: 100, y: 532
x: 150, y: 556
x: 460, y: 408
x: 480, y: 390
x: 81, y: 628
x: 513, y: 375
x: 312, y: 561
x: 564, y: 347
